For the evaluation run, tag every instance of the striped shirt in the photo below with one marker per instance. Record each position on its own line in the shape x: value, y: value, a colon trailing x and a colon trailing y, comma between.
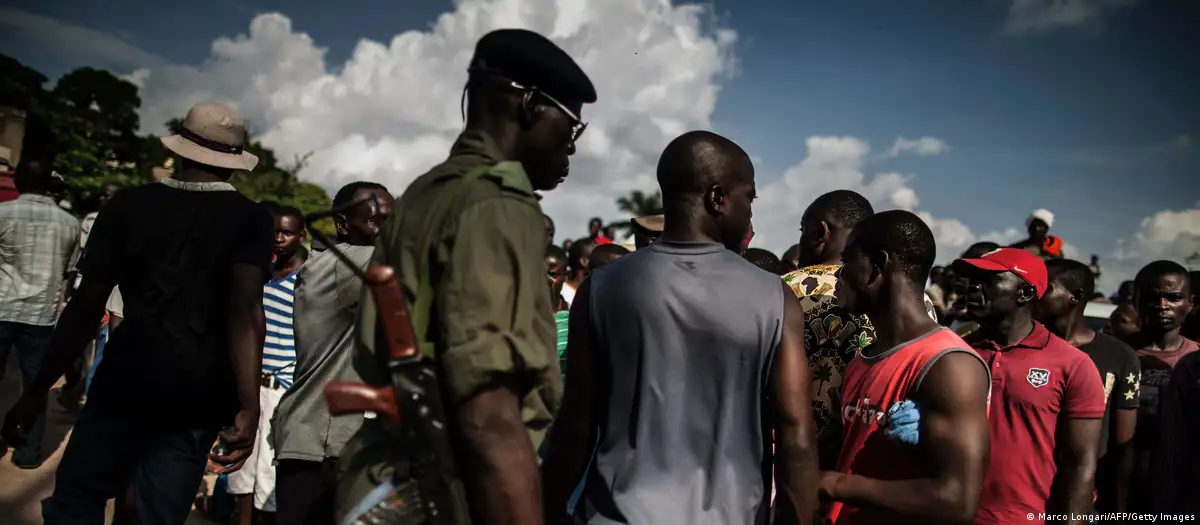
x: 560, y: 323
x: 279, y: 348
x: 38, y: 241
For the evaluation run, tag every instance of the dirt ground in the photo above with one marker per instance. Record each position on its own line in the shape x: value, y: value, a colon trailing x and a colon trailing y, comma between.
x: 21, y: 491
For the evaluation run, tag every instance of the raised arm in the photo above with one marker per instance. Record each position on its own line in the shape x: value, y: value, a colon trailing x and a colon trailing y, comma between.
x: 1078, y: 443
x: 954, y: 441
x: 790, y: 391
x: 494, y: 311
x: 574, y: 434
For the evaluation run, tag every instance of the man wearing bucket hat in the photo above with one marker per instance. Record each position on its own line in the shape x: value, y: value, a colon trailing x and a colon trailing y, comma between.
x: 472, y: 226
x: 1047, y: 399
x: 191, y: 256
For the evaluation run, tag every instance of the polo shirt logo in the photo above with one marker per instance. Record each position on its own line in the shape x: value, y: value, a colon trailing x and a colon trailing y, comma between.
x: 1038, y: 377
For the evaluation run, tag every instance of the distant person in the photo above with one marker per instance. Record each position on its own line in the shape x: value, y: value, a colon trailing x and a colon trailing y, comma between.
x: 914, y: 361
x: 646, y: 230
x: 1163, y: 298
x: 38, y: 241
x: 1191, y: 326
x: 676, y: 384
x: 765, y: 260
x: 578, y: 261
x: 1124, y: 293
x: 1095, y: 267
x: 936, y: 292
x: 1123, y: 322
x: 549, y: 228
x: 1040, y: 242
x: 191, y: 256
x: 605, y: 254
x: 596, y: 231
x: 1062, y: 311
x: 1047, y: 401
x: 306, y: 438
x: 790, y: 258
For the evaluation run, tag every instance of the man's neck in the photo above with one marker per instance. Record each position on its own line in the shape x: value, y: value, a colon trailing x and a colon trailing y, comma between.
x: 681, y: 227
x: 902, y: 318
x: 1078, y: 334
x: 1009, y: 330
x: 285, y: 266
x: 1164, y: 342
x: 192, y: 174
x: 574, y: 280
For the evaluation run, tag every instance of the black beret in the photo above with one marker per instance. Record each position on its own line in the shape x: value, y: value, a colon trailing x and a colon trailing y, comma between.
x: 534, y: 61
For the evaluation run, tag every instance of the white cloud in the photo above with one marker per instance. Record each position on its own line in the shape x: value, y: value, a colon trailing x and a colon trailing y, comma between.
x: 1041, y: 16
x: 924, y: 146
x: 1168, y: 234
x: 391, y: 111
x: 841, y: 163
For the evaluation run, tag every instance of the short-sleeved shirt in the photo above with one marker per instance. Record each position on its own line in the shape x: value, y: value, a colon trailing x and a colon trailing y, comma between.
x: 170, y: 246
x: 327, y: 295
x: 279, y: 345
x: 1121, y: 375
x: 38, y: 240
x: 492, y: 318
x: 1036, y: 383
x: 832, y: 336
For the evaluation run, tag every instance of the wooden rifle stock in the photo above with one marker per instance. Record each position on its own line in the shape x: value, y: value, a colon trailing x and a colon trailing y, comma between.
x: 352, y: 398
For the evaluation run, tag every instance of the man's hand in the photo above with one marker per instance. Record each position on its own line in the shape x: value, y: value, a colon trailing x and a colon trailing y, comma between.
x: 904, y: 423
x: 238, y: 442
x: 22, y: 416
x: 828, y: 485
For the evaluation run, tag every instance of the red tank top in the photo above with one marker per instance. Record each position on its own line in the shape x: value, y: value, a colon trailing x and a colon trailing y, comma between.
x: 871, y: 386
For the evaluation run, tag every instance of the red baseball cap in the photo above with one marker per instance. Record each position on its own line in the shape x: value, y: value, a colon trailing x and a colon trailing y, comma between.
x: 1024, y: 263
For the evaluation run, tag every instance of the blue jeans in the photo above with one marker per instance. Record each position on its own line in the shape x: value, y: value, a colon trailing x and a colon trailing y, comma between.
x: 30, y: 342
x: 101, y: 339
x: 109, y: 450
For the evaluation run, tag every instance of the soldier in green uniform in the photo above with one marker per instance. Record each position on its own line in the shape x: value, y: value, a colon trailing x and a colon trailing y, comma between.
x: 475, y: 224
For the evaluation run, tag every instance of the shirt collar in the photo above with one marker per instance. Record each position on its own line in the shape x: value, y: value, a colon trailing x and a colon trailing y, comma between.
x: 1037, y: 339
x: 477, y: 143
x: 37, y: 198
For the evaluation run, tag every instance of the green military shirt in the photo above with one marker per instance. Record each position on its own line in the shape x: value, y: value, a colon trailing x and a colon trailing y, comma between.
x: 492, y: 317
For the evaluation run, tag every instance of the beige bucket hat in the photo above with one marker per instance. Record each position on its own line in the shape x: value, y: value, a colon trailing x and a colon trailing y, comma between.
x: 653, y: 223
x: 213, y: 135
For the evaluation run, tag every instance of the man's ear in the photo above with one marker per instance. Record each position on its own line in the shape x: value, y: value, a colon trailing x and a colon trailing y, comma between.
x: 714, y: 199
x: 826, y: 232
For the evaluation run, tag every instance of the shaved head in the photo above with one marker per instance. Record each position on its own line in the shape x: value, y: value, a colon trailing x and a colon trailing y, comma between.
x: 707, y: 182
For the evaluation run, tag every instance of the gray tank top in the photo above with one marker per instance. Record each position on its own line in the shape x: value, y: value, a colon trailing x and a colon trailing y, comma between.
x: 687, y: 333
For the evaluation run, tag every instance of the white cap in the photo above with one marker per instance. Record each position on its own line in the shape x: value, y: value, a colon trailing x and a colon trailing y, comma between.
x: 1042, y: 214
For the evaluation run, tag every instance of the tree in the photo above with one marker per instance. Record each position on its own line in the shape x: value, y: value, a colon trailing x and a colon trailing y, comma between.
x: 639, y: 203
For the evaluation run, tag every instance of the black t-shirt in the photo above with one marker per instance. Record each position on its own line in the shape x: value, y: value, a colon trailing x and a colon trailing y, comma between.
x: 1120, y: 373
x: 170, y: 247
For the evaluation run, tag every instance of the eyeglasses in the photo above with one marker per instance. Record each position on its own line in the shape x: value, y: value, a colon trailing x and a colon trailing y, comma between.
x: 577, y: 124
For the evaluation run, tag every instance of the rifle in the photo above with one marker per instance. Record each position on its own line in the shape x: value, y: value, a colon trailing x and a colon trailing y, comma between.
x: 429, y: 490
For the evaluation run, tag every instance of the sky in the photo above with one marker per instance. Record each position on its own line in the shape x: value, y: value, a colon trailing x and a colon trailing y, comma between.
x: 972, y: 114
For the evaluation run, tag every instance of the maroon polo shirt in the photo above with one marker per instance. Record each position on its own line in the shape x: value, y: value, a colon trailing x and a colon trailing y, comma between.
x: 1034, y: 383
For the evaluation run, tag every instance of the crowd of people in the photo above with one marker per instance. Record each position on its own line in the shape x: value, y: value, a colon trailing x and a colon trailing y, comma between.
x: 693, y: 380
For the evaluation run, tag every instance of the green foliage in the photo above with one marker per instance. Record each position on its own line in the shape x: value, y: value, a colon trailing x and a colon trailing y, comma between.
x: 89, y: 124
x: 637, y: 204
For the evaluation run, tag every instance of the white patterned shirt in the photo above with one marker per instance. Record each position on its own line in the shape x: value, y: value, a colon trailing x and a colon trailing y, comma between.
x: 38, y: 241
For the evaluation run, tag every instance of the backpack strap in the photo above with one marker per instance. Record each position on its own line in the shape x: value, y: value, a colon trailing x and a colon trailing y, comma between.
x: 424, y: 301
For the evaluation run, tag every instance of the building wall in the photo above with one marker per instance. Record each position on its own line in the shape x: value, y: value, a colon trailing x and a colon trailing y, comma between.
x: 12, y: 132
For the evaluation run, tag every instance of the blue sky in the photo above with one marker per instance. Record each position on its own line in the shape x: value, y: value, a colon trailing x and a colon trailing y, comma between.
x: 1095, y: 118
